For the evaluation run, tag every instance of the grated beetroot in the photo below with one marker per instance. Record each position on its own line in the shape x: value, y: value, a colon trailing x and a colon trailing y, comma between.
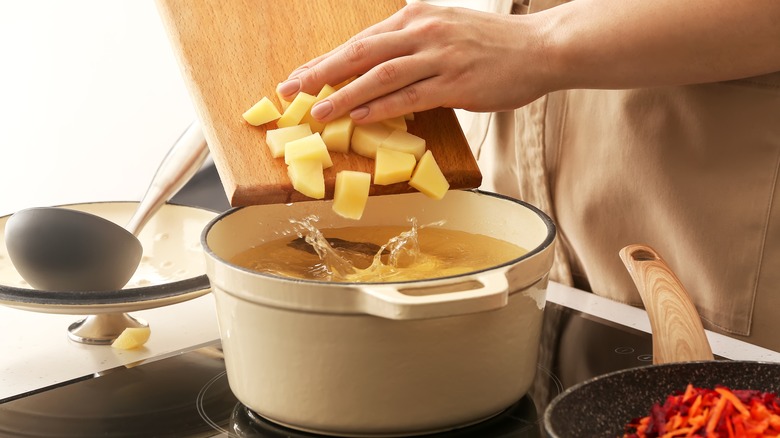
x: 711, y: 413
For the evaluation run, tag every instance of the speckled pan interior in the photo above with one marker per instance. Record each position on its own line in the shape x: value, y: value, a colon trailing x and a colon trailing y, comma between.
x: 601, y: 407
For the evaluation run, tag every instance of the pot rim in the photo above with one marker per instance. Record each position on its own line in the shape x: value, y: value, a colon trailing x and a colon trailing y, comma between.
x: 549, y: 240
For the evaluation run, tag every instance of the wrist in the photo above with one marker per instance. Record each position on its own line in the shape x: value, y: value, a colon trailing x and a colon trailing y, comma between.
x: 554, y: 39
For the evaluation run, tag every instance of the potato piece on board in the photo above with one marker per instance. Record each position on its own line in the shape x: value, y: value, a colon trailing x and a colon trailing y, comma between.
x: 310, y: 147
x: 277, y: 138
x: 395, y: 123
x: 307, y: 177
x: 367, y: 138
x: 393, y: 166
x: 403, y: 141
x: 297, y: 109
x: 264, y: 111
x: 428, y: 178
x: 316, y: 125
x: 338, y: 133
x: 351, y: 193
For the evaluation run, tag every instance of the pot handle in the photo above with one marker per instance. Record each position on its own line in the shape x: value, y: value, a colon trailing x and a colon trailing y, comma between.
x: 484, y: 292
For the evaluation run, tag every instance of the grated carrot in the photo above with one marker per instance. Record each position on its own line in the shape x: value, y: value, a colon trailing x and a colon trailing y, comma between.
x: 690, y: 391
x: 716, y: 413
x: 695, y: 406
x: 725, y: 393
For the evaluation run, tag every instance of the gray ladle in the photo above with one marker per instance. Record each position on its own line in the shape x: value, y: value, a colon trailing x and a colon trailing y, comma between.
x: 58, y: 249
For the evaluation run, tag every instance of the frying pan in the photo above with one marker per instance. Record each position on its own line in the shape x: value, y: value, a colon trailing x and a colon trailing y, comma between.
x: 602, y: 406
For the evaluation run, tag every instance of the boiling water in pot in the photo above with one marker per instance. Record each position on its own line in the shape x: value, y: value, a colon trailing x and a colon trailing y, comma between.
x: 402, y: 253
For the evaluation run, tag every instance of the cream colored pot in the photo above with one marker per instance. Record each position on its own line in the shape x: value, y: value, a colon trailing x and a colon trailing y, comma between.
x: 383, y: 359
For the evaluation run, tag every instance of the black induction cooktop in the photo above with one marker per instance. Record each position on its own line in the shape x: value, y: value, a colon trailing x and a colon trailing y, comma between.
x: 187, y: 394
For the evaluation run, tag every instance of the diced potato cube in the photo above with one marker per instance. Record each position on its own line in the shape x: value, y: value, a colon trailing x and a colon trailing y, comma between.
x: 132, y: 337
x: 262, y: 112
x: 277, y: 138
x: 307, y: 177
x: 351, y: 193
x: 297, y: 109
x: 409, y: 116
x: 403, y: 141
x: 428, y: 178
x: 316, y: 125
x: 284, y: 103
x: 310, y: 147
x: 338, y: 133
x: 395, y: 123
x: 367, y: 138
x: 393, y: 166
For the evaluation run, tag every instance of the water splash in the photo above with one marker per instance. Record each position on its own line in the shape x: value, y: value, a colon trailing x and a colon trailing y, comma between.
x: 334, y: 264
x: 339, y: 264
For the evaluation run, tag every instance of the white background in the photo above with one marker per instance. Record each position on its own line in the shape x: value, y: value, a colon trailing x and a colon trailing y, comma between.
x: 90, y: 100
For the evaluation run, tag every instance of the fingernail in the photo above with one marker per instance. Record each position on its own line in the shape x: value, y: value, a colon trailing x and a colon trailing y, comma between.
x: 359, y: 113
x: 296, y: 72
x: 321, y: 109
x: 289, y: 87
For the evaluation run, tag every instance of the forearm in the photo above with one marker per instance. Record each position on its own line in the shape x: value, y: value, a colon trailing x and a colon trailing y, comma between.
x: 640, y: 43
x: 426, y: 56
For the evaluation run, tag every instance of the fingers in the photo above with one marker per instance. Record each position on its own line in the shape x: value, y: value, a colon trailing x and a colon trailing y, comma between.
x: 382, y: 64
x: 412, y: 98
x: 392, y: 23
x: 397, y: 62
x: 387, y: 90
x: 350, y: 60
x: 419, y: 96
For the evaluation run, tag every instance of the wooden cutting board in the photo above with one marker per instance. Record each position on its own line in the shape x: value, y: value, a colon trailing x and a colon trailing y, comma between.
x: 234, y: 52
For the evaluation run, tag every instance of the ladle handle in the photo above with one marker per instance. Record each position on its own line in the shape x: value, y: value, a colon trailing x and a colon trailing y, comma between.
x: 678, y: 334
x: 181, y: 162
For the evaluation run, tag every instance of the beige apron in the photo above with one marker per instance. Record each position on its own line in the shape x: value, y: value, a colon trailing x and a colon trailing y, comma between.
x: 690, y: 170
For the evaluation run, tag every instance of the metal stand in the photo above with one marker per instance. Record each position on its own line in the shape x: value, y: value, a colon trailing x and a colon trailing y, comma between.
x: 102, y: 329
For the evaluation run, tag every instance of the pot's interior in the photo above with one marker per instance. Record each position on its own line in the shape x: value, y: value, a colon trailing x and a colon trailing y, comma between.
x: 470, y: 211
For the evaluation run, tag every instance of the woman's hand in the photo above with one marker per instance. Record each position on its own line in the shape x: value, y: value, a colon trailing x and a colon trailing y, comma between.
x: 424, y: 57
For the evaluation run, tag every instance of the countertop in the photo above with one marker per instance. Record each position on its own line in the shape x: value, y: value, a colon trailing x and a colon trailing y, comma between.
x: 91, y: 101
x: 37, y: 353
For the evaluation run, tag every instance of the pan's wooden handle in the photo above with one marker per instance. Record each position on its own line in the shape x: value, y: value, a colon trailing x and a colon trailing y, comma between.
x: 678, y: 334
